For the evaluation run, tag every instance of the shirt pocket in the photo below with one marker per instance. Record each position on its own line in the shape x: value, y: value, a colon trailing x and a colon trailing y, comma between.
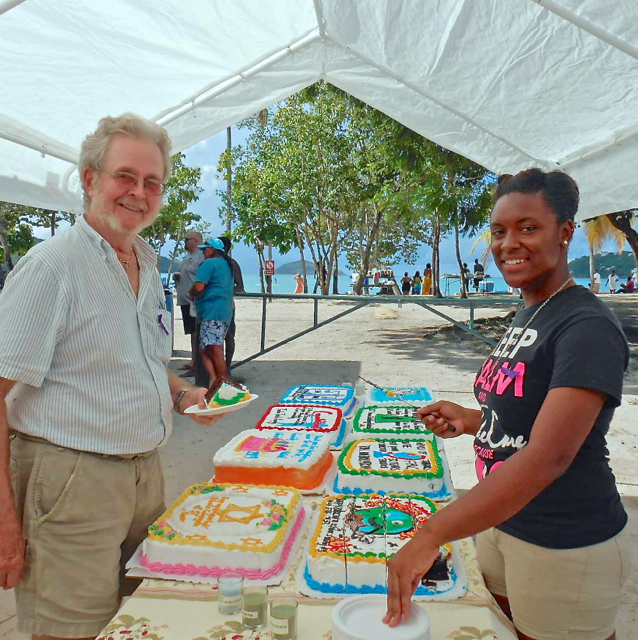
x: 156, y: 325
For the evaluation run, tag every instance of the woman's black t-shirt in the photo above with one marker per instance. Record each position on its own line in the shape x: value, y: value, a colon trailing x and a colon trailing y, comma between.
x: 575, y: 341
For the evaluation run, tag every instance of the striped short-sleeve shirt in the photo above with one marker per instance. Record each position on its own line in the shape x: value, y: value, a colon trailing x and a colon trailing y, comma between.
x: 89, y: 357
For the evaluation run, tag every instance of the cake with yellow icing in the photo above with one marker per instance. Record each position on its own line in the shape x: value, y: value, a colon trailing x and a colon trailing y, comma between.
x: 213, y: 528
x: 392, y: 465
x: 297, y: 459
x: 354, y: 536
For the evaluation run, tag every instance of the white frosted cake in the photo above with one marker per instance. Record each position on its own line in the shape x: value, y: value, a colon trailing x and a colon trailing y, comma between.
x: 418, y: 396
x: 354, y: 536
x: 388, y: 421
x: 391, y: 466
x: 214, y: 528
x: 297, y: 459
x: 339, y: 396
x: 305, y: 417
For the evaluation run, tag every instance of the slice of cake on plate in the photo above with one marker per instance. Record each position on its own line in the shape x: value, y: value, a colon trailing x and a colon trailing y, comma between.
x: 214, y: 528
x: 299, y: 459
x: 224, y: 392
x: 418, y: 396
x: 392, y: 466
x: 354, y: 536
x: 303, y: 417
x: 339, y: 396
x: 389, y: 422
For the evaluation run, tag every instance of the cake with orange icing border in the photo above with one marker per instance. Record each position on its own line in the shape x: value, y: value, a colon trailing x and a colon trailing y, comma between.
x: 213, y: 528
x: 297, y: 459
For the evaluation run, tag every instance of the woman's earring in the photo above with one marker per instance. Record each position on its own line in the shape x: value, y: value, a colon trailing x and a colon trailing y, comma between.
x: 565, y: 242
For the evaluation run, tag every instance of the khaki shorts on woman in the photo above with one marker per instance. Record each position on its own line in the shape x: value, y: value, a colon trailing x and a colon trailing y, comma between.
x: 557, y: 594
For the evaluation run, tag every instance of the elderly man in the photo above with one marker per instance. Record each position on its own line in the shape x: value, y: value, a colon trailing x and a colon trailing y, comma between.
x: 84, y: 344
x: 185, y: 278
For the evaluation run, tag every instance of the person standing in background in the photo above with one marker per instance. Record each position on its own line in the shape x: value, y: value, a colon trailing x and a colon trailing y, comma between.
x: 406, y: 284
x: 427, y: 280
x: 238, y: 280
x: 416, y: 284
x: 213, y: 294
x: 299, y: 280
x: 595, y: 285
x: 612, y: 281
x: 479, y: 273
x: 184, y: 278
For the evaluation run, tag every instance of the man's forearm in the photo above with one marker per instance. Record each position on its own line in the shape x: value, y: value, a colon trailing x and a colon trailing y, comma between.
x: 6, y: 491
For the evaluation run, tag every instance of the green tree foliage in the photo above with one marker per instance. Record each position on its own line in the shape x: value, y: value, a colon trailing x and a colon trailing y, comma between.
x: 331, y: 175
x: 174, y: 219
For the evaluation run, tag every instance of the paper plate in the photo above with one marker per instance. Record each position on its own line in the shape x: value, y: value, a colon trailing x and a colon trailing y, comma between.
x: 360, y: 618
x: 195, y: 410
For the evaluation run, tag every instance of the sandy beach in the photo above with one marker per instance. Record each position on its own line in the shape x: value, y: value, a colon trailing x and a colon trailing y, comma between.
x: 385, y: 344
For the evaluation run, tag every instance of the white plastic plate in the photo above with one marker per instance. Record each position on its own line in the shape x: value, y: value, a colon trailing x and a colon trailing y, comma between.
x: 195, y: 410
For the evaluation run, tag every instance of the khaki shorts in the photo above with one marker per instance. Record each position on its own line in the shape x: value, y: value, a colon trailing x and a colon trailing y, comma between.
x: 83, y: 516
x: 566, y: 594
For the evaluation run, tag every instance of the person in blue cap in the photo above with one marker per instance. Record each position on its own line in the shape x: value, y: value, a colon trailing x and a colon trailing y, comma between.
x: 213, y: 294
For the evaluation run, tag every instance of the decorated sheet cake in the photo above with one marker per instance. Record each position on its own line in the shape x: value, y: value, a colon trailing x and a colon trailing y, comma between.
x: 302, y: 417
x: 418, y: 396
x: 392, y: 466
x: 299, y: 459
x: 339, y: 396
x: 389, y: 422
x: 213, y: 528
x: 354, y: 536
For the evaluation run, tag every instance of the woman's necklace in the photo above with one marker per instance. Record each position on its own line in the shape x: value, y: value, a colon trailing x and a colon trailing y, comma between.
x: 524, y: 329
x: 126, y: 263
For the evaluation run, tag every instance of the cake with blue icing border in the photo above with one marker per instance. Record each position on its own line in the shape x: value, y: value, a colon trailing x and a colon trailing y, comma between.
x: 418, y: 396
x: 329, y: 395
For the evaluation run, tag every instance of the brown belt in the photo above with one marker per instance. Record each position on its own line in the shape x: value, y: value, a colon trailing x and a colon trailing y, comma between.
x: 107, y: 456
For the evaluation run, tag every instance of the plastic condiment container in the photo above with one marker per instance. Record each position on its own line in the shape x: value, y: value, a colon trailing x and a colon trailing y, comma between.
x: 360, y: 618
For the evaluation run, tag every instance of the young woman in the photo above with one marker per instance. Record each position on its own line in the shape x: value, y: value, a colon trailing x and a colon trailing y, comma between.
x: 427, y: 280
x: 416, y: 284
x: 406, y: 284
x: 551, y: 542
x: 213, y: 290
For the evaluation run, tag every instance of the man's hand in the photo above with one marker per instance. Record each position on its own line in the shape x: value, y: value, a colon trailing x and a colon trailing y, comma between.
x: 12, y: 550
x: 406, y: 568
x: 196, y: 396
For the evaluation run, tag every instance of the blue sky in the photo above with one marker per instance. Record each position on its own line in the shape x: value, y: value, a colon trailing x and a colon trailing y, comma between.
x: 205, y: 155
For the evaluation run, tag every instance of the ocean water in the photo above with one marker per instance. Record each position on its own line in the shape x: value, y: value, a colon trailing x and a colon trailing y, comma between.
x: 287, y: 284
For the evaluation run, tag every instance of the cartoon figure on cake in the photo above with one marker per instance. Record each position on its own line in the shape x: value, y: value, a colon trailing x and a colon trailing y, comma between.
x: 377, y: 521
x: 265, y: 445
x: 399, y: 456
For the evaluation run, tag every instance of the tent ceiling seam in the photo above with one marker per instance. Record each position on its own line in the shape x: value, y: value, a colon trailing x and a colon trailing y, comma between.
x: 458, y: 114
x: 592, y: 29
x: 587, y: 153
x: 218, y: 87
x: 51, y: 148
x: 321, y: 23
x: 8, y: 5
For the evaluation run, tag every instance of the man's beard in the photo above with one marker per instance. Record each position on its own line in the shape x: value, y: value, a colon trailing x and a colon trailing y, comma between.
x: 104, y: 211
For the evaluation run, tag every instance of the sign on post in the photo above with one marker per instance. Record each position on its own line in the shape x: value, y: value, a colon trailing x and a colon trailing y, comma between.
x: 270, y: 267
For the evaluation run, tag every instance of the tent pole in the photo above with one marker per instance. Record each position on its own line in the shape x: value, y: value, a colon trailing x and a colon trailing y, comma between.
x: 7, y: 5
x: 587, y: 153
x: 585, y: 25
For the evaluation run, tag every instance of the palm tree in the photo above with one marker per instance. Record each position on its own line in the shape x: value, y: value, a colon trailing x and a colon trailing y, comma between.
x: 598, y: 231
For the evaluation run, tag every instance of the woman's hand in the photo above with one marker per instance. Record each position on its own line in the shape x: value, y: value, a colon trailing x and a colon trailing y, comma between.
x: 406, y: 568
x: 196, y: 396
x: 449, y: 420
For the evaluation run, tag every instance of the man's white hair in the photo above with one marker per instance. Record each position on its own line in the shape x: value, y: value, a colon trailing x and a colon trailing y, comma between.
x: 96, y: 144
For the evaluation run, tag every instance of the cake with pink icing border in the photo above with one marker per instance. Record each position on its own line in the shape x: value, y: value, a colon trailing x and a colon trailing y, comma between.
x: 214, y: 528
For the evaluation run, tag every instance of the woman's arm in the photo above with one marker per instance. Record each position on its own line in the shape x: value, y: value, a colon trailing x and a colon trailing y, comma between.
x: 562, y: 425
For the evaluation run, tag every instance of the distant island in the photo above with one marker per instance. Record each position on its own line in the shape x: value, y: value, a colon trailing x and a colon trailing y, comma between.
x: 295, y: 267
x: 623, y: 264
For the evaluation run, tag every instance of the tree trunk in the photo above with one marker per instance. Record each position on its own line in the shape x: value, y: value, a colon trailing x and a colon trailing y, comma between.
x: 436, y: 265
x: 260, y: 256
x: 623, y: 220
x: 304, y: 271
x: 4, y: 242
x: 592, y: 267
x: 335, y: 275
x: 53, y: 216
x: 229, y: 189
x: 365, y: 265
x: 459, y: 260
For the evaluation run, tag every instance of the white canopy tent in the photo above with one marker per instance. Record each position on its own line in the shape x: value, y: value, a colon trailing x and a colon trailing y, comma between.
x: 508, y: 83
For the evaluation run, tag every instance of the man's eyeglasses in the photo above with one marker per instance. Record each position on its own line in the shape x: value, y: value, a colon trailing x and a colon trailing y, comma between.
x: 124, y: 179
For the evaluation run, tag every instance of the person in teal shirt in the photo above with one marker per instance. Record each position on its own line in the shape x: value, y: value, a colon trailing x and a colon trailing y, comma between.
x: 213, y: 290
